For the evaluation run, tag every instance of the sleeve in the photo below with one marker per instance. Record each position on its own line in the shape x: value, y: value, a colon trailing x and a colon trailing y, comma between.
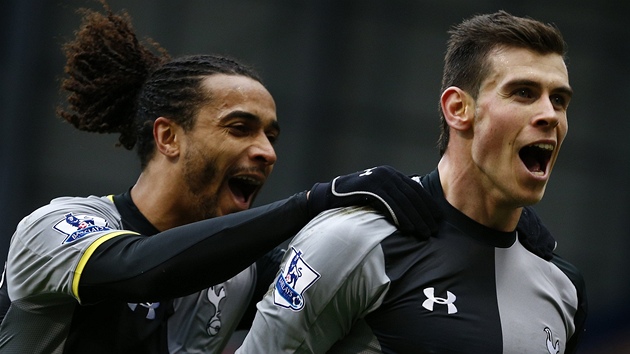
x: 48, y: 245
x: 166, y: 265
x: 53, y: 252
x: 332, y: 275
x: 579, y: 319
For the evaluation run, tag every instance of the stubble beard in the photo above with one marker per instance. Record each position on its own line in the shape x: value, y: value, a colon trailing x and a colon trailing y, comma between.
x: 196, y: 181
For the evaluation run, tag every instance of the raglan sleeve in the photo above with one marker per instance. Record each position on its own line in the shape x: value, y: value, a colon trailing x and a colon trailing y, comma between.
x: 331, y: 275
x: 47, y: 246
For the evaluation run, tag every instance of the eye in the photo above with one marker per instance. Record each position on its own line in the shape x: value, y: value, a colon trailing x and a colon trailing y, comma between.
x: 559, y: 101
x: 524, y: 93
x: 273, y: 137
x: 239, y: 129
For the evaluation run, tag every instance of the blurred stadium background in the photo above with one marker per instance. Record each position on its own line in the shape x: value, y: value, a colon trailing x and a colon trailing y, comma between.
x: 356, y: 84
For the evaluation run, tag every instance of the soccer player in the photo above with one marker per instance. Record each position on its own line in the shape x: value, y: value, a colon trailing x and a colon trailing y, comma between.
x: 107, y: 274
x: 489, y: 280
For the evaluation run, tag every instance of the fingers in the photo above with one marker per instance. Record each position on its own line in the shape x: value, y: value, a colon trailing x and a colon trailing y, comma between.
x: 414, y: 209
x: 414, y: 213
x: 402, y: 200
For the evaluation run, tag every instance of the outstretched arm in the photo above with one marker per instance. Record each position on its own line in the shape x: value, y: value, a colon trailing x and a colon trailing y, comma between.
x: 166, y: 265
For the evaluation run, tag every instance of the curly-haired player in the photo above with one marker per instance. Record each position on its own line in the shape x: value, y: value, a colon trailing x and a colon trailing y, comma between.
x: 162, y: 267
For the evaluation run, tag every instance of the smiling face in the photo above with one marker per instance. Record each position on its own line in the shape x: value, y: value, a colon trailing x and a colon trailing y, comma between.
x: 520, y: 122
x: 228, y: 154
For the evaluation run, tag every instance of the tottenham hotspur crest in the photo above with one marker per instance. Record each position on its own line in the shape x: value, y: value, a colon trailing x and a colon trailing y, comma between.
x: 296, y: 277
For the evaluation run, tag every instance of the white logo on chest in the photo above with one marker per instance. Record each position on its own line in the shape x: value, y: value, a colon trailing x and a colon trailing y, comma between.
x: 150, y: 306
x: 214, y: 324
x: 552, y: 348
x: 432, y: 300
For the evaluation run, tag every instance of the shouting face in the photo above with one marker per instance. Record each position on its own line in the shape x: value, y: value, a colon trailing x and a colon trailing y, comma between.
x: 520, y: 122
x: 228, y: 154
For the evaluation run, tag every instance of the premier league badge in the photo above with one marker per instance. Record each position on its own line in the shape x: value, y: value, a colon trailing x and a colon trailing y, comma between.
x: 77, y: 226
x: 296, y: 277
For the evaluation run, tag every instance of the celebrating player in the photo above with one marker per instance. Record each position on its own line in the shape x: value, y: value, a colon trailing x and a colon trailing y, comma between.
x: 109, y: 274
x: 488, y: 282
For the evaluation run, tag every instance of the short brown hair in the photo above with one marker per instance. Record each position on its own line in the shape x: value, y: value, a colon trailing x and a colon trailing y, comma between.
x: 470, y: 42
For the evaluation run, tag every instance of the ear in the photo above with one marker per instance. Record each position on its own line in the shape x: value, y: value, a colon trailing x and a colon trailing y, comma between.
x: 165, y: 134
x: 458, y: 108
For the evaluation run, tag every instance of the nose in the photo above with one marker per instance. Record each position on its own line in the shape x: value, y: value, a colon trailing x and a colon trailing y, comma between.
x: 262, y: 150
x: 549, y: 116
x: 547, y: 122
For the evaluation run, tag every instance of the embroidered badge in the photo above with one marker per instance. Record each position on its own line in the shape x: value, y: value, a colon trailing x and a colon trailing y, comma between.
x: 77, y: 226
x: 296, y: 277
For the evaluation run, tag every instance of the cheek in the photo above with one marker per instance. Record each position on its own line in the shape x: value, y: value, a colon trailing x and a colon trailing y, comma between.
x: 486, y: 151
x: 222, y: 154
x: 563, y: 129
x: 487, y: 135
x: 493, y: 138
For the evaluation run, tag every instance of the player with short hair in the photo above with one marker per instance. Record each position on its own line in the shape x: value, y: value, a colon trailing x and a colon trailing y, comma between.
x: 488, y: 281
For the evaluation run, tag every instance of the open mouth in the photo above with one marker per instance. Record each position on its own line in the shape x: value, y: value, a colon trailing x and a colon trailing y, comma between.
x: 244, y: 188
x: 536, y: 157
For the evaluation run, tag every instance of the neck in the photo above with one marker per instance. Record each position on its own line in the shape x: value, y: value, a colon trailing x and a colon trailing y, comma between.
x: 473, y: 197
x: 156, y: 196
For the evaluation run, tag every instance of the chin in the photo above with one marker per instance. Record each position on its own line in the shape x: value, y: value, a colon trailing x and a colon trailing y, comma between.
x: 531, y: 199
x: 532, y: 193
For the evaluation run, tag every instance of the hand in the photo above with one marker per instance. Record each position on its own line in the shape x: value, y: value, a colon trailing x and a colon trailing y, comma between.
x: 534, y: 235
x: 403, y: 201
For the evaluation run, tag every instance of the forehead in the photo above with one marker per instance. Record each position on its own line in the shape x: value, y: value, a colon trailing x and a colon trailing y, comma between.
x: 228, y: 93
x: 235, y: 87
x: 509, y: 64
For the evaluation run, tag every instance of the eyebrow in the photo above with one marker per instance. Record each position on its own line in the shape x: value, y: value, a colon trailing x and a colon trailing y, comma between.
x: 250, y: 117
x: 563, y: 89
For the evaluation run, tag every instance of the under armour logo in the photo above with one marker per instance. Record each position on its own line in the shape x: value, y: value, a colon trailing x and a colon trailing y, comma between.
x: 150, y: 306
x: 367, y: 172
x: 552, y: 348
x: 432, y: 300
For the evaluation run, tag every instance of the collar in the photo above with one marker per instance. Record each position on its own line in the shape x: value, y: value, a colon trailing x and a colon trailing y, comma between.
x: 458, y: 219
x: 132, y: 218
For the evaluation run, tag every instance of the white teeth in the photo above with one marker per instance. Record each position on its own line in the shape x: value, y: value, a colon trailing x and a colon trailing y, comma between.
x: 544, y: 146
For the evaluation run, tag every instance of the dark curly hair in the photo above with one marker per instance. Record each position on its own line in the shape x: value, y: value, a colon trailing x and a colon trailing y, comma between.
x: 115, y: 84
